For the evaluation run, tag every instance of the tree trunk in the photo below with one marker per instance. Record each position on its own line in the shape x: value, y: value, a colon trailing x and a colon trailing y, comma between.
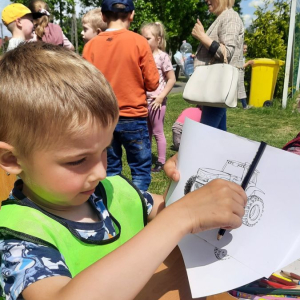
x: 74, y: 26
x: 60, y: 14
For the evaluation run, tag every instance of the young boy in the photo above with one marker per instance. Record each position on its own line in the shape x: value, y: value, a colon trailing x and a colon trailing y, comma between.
x: 92, y: 24
x: 18, y: 20
x: 64, y: 227
x: 126, y: 60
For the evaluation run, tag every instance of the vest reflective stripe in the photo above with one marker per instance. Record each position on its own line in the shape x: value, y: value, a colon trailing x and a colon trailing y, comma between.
x: 123, y: 202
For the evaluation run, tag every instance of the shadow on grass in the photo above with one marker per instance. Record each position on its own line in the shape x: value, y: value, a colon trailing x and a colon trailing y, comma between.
x: 182, y: 79
x: 154, y: 158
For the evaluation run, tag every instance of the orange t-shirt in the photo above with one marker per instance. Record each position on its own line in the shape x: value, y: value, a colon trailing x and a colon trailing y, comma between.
x: 126, y: 60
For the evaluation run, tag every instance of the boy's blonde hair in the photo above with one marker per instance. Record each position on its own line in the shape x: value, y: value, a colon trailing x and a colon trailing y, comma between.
x: 94, y: 19
x: 158, y: 31
x: 58, y: 94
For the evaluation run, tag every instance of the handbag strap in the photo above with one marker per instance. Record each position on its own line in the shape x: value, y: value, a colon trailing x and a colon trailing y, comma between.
x: 224, y: 52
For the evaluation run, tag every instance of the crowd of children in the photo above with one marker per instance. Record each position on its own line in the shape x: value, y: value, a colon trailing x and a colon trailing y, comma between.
x: 32, y: 23
x: 67, y: 231
x: 145, y: 119
x: 62, y: 133
x: 44, y: 30
x: 73, y: 227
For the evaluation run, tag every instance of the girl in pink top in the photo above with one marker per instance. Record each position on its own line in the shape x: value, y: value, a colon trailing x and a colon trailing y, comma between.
x: 193, y: 113
x: 44, y: 30
x: 157, y: 100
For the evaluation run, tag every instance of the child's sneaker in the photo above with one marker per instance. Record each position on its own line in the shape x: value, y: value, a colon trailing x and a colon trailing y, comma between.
x: 158, y: 167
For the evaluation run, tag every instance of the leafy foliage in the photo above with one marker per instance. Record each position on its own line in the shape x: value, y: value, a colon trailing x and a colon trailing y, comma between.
x: 296, y: 49
x: 178, y: 17
x: 267, y: 37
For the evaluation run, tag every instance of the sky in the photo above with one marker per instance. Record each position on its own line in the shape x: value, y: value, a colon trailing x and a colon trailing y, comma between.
x: 248, y: 8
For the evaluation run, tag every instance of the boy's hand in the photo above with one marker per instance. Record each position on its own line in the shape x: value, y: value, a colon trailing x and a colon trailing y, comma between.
x: 170, y: 167
x: 218, y: 204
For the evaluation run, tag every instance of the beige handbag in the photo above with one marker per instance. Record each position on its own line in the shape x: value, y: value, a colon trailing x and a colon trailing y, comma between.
x: 213, y: 85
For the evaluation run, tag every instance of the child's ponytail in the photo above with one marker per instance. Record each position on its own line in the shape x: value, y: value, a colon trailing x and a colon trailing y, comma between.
x: 162, y: 34
x: 40, y: 12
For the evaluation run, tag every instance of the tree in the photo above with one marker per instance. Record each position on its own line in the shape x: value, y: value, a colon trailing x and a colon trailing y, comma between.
x: 267, y: 36
x: 296, y: 50
x: 177, y: 16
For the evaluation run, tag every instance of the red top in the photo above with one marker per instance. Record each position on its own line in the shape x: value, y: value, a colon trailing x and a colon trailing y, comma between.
x: 126, y: 60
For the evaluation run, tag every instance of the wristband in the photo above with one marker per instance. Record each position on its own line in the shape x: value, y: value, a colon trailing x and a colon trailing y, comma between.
x: 213, y: 47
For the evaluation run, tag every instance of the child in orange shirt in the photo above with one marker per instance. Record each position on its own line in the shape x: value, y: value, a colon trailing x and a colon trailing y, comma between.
x: 126, y: 60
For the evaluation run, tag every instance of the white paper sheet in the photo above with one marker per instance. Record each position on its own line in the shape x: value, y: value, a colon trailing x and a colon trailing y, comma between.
x: 268, y: 237
x: 203, y: 261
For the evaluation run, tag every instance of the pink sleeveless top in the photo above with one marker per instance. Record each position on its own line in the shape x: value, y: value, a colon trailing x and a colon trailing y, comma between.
x: 192, y: 113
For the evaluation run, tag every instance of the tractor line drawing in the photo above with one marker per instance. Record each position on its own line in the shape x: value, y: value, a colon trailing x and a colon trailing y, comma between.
x: 233, y: 171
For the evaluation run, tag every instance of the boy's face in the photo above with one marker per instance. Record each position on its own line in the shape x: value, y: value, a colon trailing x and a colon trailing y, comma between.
x: 88, y: 32
x: 65, y: 176
x: 27, y: 26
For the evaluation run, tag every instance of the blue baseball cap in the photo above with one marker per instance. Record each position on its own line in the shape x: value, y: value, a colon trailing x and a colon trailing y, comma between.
x: 108, y: 5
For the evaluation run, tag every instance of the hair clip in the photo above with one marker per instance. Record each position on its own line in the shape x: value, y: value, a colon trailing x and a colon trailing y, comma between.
x: 44, y: 11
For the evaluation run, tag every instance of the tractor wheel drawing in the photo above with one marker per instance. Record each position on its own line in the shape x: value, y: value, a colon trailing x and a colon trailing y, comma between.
x: 253, y: 210
x: 189, y: 184
x: 220, y: 253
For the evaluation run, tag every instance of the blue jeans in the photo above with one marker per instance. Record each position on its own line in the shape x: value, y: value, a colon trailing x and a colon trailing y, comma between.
x: 214, y: 117
x: 244, y: 102
x: 133, y: 134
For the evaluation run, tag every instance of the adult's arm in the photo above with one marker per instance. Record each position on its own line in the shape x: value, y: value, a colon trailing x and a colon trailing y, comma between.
x: 229, y: 31
x: 199, y: 34
x: 248, y: 63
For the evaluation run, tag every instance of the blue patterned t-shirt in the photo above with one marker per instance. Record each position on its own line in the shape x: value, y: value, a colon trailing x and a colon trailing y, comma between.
x: 23, y: 263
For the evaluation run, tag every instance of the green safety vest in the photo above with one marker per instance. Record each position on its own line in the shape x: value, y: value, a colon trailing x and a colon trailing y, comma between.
x: 125, y: 204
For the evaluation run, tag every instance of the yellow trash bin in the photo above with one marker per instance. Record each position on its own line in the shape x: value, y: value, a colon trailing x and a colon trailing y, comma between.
x: 263, y: 81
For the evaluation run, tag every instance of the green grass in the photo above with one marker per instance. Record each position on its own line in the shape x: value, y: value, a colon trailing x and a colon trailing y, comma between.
x: 273, y: 125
